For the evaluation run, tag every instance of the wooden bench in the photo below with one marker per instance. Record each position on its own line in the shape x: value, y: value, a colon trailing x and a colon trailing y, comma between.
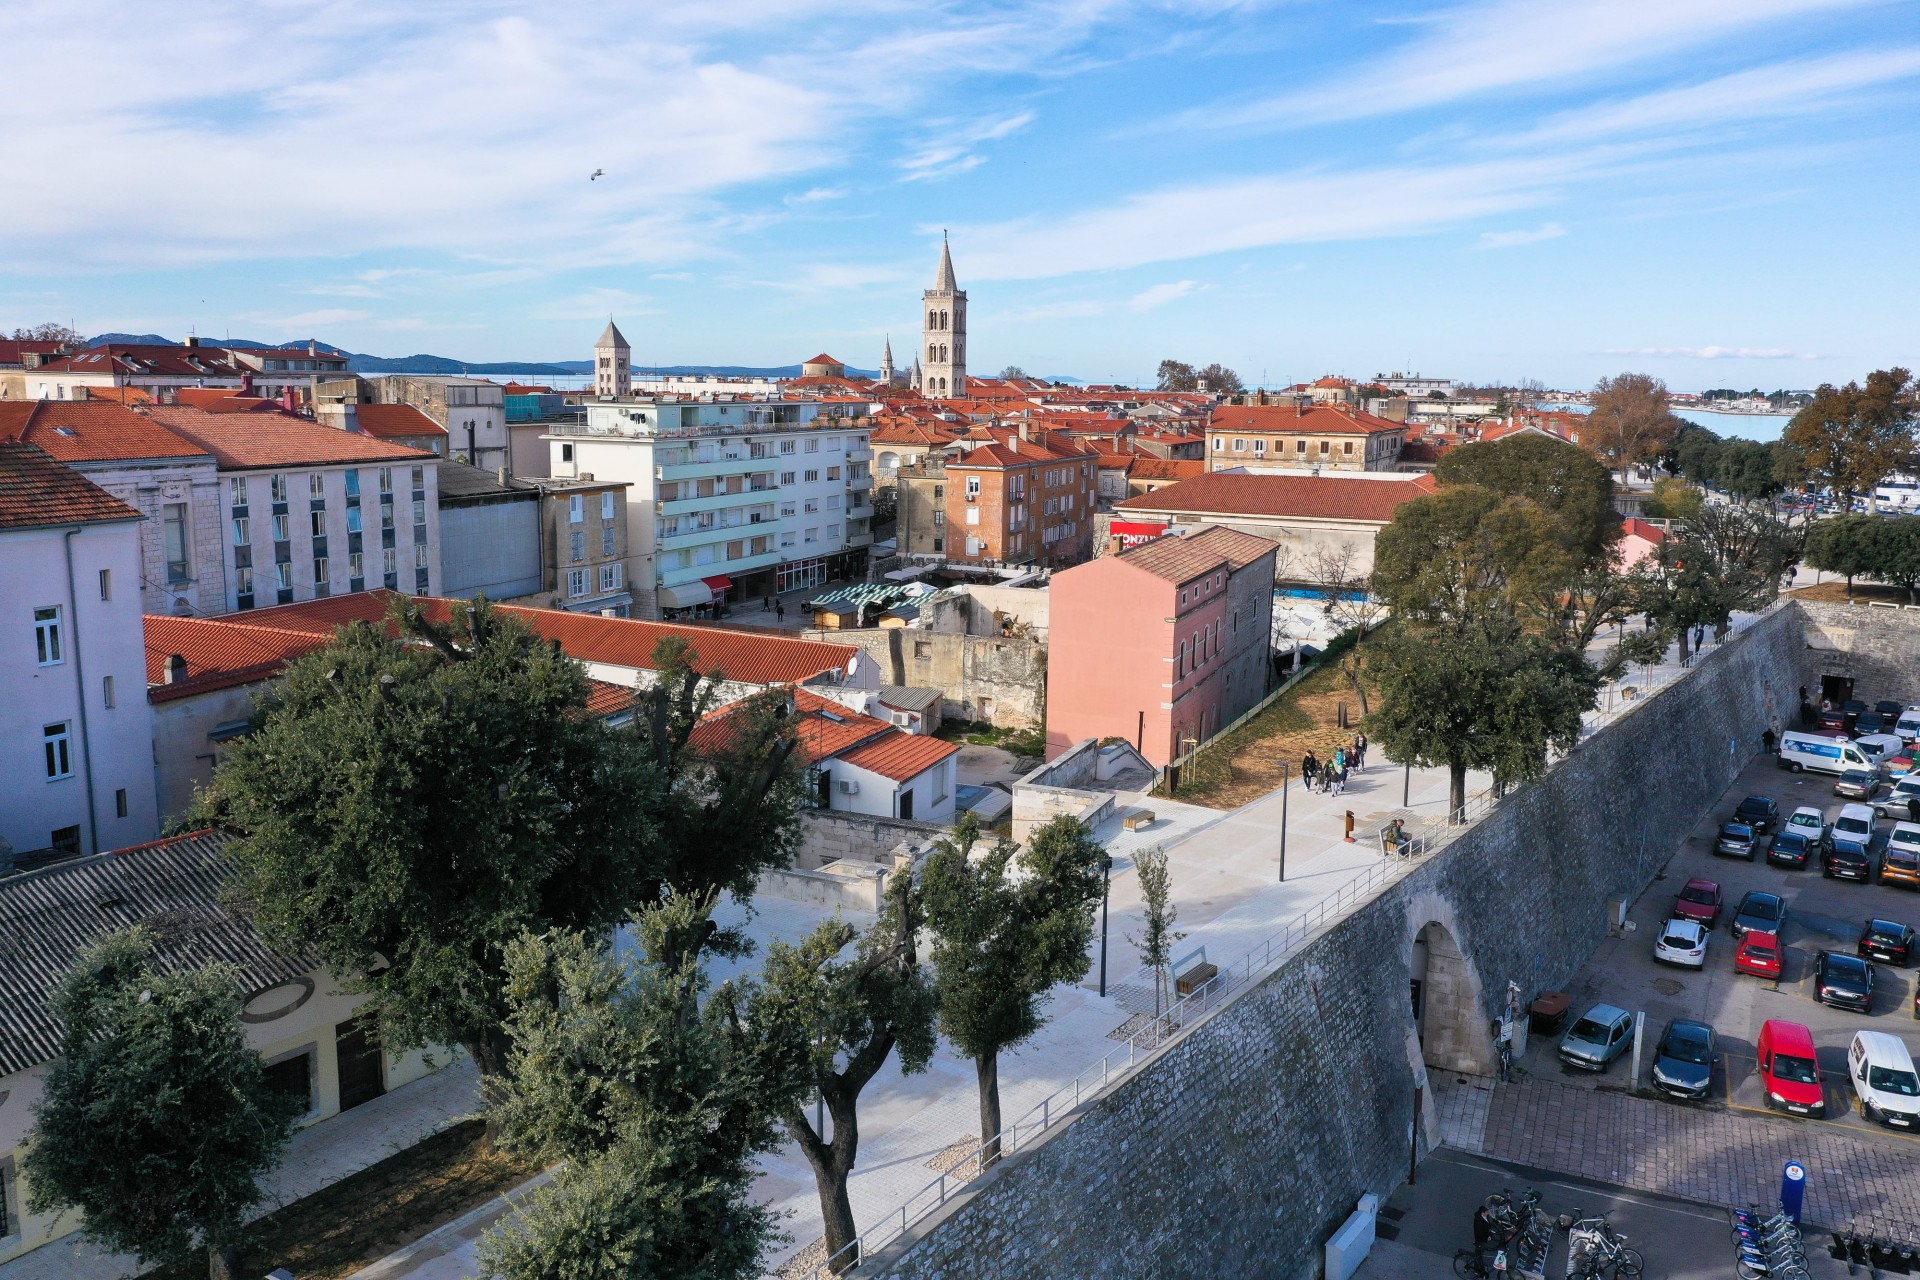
x: 1137, y: 819
x: 1195, y: 978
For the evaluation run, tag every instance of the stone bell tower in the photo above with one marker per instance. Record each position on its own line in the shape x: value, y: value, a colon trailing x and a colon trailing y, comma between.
x: 943, y: 344
x: 612, y: 363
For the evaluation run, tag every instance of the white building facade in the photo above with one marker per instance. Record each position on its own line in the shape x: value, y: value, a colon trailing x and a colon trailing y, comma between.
x: 305, y: 533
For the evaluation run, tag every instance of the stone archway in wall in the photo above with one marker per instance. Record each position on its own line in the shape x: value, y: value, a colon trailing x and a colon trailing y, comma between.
x: 1450, y: 1022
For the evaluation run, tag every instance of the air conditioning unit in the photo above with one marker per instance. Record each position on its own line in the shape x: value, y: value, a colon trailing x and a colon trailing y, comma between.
x: 848, y: 787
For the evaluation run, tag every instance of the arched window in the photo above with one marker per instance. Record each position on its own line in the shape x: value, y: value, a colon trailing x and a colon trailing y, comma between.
x: 943, y: 322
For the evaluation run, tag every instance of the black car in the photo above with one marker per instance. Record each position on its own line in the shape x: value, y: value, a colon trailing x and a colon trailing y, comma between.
x: 1789, y: 849
x: 1889, y: 709
x: 1850, y: 712
x: 1759, y: 913
x: 1760, y: 813
x: 1870, y: 722
x: 1843, y: 981
x: 1683, y: 1064
x: 1847, y: 860
x: 1887, y: 941
x: 1736, y: 840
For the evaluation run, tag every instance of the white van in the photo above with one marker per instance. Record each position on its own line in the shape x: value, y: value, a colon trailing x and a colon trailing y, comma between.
x: 1881, y: 746
x: 1908, y: 725
x: 1801, y: 751
x: 1884, y: 1080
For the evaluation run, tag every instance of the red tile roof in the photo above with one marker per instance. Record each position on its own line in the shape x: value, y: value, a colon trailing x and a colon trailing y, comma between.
x: 826, y: 728
x: 1150, y: 468
x: 37, y: 491
x: 1330, y: 497
x: 1634, y: 527
x: 220, y: 652
x: 249, y: 441
x: 604, y: 699
x: 16, y: 350
x: 900, y: 756
x: 1322, y: 418
x: 387, y: 421
x: 1182, y: 559
x: 223, y: 400
x: 90, y: 431
x: 136, y: 359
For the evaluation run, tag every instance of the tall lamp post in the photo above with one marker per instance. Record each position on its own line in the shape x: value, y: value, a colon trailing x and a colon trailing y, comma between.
x: 1286, y: 777
x: 1106, y: 883
x: 1406, y: 783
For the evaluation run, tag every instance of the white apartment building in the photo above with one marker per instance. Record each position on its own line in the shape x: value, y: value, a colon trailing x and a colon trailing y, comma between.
x: 76, y: 765
x: 728, y: 499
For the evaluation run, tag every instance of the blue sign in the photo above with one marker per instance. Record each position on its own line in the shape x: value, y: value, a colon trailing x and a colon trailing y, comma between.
x: 1793, y: 1189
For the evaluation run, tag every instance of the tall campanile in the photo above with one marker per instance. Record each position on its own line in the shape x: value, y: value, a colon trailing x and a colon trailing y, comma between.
x: 943, y: 345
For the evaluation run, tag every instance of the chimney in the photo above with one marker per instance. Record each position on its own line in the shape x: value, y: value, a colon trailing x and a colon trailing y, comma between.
x: 1026, y: 426
x: 313, y: 347
x: 193, y: 341
x: 176, y: 668
x: 501, y: 475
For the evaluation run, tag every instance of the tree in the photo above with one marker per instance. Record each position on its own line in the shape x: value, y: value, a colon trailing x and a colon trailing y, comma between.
x: 1844, y: 544
x: 1220, y: 380
x: 157, y: 1121
x: 652, y: 1096
x: 1002, y: 943
x: 51, y: 331
x: 1012, y: 372
x: 1481, y: 693
x: 1747, y: 470
x: 1464, y: 551
x: 1176, y: 375
x: 1727, y: 557
x: 416, y: 797
x: 1694, y: 453
x: 1561, y: 479
x: 1157, y: 934
x: 1350, y: 604
x: 1895, y: 544
x: 1850, y: 437
x: 1630, y: 422
x: 825, y: 1026
x: 1673, y: 499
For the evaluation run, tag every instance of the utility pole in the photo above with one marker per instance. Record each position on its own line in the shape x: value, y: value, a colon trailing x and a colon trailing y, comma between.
x: 1286, y: 776
x: 1106, y: 884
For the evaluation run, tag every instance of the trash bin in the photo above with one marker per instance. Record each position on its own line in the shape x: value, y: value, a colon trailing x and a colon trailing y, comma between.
x: 1548, y: 1013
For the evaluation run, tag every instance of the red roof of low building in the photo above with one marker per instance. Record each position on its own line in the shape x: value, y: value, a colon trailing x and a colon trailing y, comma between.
x: 1324, y: 419
x: 142, y: 358
x: 825, y: 728
x: 1152, y: 468
x: 391, y: 421
x: 1328, y: 497
x: 899, y: 755
x: 16, y: 350
x: 1180, y: 558
x: 1635, y: 527
x: 260, y: 441
x: 37, y: 491
x: 220, y: 652
x: 91, y: 431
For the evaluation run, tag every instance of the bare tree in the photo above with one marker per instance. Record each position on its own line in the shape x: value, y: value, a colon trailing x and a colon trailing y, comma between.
x: 1350, y: 603
x: 1157, y: 935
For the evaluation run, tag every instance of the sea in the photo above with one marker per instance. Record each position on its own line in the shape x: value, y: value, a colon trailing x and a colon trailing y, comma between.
x: 1746, y: 426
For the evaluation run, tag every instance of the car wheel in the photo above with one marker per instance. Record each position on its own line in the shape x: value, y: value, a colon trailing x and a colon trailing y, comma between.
x: 1796, y: 767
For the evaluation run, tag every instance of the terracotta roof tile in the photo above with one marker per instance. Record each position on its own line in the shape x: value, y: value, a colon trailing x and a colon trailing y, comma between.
x: 135, y: 359
x: 37, y: 491
x: 1150, y: 468
x: 387, y: 421
x: 1181, y: 559
x: 246, y: 441
x: 899, y: 755
x: 1372, y: 498
x: 1325, y: 419
x: 91, y: 431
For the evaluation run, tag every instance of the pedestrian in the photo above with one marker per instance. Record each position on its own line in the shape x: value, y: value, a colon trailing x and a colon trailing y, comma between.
x: 1309, y: 768
x: 1487, y: 1236
x: 779, y: 610
x: 1339, y: 759
x: 1360, y: 742
x: 769, y: 604
x: 1913, y: 808
x: 1768, y: 740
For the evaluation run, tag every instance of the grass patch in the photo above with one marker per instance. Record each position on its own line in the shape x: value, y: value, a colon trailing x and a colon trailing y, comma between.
x: 1836, y: 592
x: 363, y: 1217
x: 978, y: 733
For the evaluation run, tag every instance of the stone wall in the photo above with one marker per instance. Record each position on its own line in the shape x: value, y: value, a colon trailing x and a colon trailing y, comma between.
x: 1878, y: 648
x: 1241, y: 1148
x: 1003, y: 682
x: 830, y: 836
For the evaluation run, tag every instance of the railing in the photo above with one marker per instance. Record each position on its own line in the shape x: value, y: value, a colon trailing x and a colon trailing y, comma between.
x: 1121, y: 1063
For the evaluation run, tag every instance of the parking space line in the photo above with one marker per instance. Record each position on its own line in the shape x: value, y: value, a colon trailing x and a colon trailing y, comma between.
x: 1867, y: 1126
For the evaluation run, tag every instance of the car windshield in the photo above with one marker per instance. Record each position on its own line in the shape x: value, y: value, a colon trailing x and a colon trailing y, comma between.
x: 1755, y: 805
x: 1887, y: 1080
x: 1737, y: 831
x: 1881, y: 932
x: 1697, y: 893
x: 1790, y: 842
x: 1687, y: 1046
x: 1846, y: 968
x: 1588, y: 1029
x: 1797, y: 1070
x: 1679, y: 938
x: 1850, y: 849
x: 1760, y: 953
x: 1813, y: 820
x: 1762, y: 909
x: 1856, y: 777
x: 1908, y: 837
x: 1853, y: 826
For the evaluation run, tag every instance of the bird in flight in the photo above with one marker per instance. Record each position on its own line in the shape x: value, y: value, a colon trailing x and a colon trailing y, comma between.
x: 597, y: 173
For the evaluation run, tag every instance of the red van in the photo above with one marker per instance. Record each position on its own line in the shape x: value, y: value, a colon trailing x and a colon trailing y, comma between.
x: 1790, y: 1070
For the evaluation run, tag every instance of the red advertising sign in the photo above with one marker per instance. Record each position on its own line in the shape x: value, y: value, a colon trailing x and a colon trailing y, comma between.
x: 1134, y: 532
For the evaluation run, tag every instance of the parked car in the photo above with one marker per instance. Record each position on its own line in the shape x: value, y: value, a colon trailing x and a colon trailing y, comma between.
x: 1759, y: 955
x: 1881, y: 748
x: 1867, y: 722
x: 1843, y: 981
x: 1760, y: 912
x: 1683, y: 942
x: 1831, y: 718
x: 1846, y: 859
x: 1884, y: 1080
x: 1858, y: 784
x: 1892, y: 803
x: 1601, y: 1035
x: 1887, y: 941
x: 1789, y: 849
x: 1907, y: 724
x: 1699, y: 900
x: 1809, y: 821
x: 1736, y: 840
x: 1855, y: 821
x: 1789, y: 1068
x: 1683, y: 1064
x: 1850, y: 711
x: 1761, y: 813
x: 1889, y: 710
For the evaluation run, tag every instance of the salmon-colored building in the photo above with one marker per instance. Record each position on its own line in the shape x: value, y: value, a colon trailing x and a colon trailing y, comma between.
x: 1162, y: 645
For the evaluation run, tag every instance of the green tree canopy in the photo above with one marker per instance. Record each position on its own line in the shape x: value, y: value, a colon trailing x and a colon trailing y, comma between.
x: 1003, y: 941
x: 1748, y: 470
x: 1464, y: 551
x: 1175, y: 375
x: 1673, y: 499
x: 157, y: 1121
x: 1561, y: 479
x: 1851, y: 437
x: 1843, y: 544
x: 1726, y: 557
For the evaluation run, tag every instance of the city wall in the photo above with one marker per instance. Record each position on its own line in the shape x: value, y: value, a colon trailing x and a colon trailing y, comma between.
x: 1000, y: 681
x: 1242, y: 1148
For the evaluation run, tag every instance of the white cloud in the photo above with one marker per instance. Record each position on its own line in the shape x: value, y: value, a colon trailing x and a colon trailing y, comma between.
x: 1715, y: 353
x: 1513, y: 239
x: 949, y: 149
x: 1160, y: 294
x: 815, y: 195
x: 344, y: 291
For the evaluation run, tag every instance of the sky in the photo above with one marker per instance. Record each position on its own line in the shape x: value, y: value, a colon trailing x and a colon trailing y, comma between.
x: 1718, y: 192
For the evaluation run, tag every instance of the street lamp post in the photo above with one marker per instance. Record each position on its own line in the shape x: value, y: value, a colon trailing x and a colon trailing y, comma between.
x: 1406, y: 784
x: 1286, y: 776
x: 1106, y: 883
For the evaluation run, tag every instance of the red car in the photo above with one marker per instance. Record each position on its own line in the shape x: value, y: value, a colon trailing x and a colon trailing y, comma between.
x: 1789, y: 1069
x: 1759, y: 955
x: 1699, y: 900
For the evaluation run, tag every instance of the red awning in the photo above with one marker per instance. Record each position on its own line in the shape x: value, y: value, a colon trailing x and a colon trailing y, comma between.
x: 719, y: 582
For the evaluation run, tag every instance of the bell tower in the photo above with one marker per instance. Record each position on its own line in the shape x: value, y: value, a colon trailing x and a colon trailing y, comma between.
x: 612, y: 363
x: 943, y: 336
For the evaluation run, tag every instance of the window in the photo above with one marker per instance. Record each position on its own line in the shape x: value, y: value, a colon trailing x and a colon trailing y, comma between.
x: 66, y: 839
x: 353, y: 484
x: 353, y: 520
x: 279, y: 485
x: 106, y: 694
x: 833, y: 502
x: 389, y: 561
x: 576, y: 547
x: 1299, y: 446
x: 294, y: 1077
x: 120, y: 802
x: 610, y: 577
x: 316, y: 485
x: 973, y: 487
x: 243, y: 581
x: 419, y: 510
x: 386, y: 515
x: 973, y: 515
x: 317, y: 523
x: 812, y: 476
x: 282, y: 528
x: 810, y: 535
x: 1259, y: 446
x: 1347, y: 448
x: 47, y: 644
x: 242, y: 531
x: 608, y: 540
x: 576, y: 509
x: 1219, y: 444
x: 811, y: 505
x: 283, y: 575
x: 386, y: 477
x: 566, y: 453
x: 356, y: 565
x: 786, y: 477
x: 419, y: 476
x: 833, y: 533
x: 57, y: 739
x: 1326, y: 447
x: 813, y: 446
x: 606, y: 506
x: 833, y: 473
x: 786, y: 539
x: 173, y: 519
x: 320, y: 578
x: 237, y: 491
x: 106, y: 584
x: 419, y: 555
x: 577, y: 582
x: 786, y: 446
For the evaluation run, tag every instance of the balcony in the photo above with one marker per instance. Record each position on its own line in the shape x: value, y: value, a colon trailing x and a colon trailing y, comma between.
x: 689, y: 537
x: 720, y: 502
x: 745, y: 564
x: 691, y: 470
x: 860, y: 455
x: 860, y: 482
x: 864, y: 538
x: 863, y: 511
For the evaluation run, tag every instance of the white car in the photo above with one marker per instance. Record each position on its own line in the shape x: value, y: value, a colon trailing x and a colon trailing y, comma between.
x: 1905, y: 837
x: 1682, y: 941
x: 1908, y: 726
x: 1809, y: 821
x: 1884, y: 1080
x: 1894, y: 802
x: 1854, y: 823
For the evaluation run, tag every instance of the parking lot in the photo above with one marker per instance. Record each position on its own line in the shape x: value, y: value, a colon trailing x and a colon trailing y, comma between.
x: 1822, y: 914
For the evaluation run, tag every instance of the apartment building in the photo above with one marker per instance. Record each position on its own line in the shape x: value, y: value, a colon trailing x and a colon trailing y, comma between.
x: 1162, y: 645
x: 311, y: 512
x: 726, y: 499
x: 152, y: 371
x: 76, y: 765
x: 472, y: 411
x: 1001, y: 495
x: 1302, y: 436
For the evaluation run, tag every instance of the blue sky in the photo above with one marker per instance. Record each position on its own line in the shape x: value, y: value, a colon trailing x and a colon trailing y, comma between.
x: 1721, y: 192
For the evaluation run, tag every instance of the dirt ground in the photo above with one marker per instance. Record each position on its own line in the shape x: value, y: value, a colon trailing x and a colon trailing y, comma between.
x: 340, y: 1229
x: 1836, y: 591
x: 1244, y: 765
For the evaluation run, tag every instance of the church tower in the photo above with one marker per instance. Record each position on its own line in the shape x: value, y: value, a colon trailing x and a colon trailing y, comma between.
x: 943, y: 345
x: 886, y: 362
x: 612, y: 364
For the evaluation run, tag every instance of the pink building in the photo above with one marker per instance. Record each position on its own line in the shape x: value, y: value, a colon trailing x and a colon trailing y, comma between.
x: 1639, y: 540
x: 1162, y: 645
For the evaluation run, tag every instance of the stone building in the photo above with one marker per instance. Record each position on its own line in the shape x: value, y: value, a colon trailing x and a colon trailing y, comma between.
x: 612, y: 363
x: 1302, y: 436
x: 943, y: 335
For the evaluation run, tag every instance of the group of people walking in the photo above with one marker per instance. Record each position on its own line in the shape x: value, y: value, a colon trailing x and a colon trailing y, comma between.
x: 1330, y: 777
